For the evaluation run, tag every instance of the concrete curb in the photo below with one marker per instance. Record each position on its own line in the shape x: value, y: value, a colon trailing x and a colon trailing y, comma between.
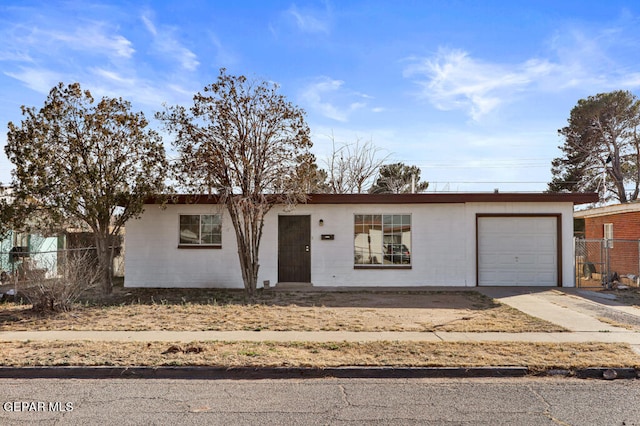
x: 252, y: 373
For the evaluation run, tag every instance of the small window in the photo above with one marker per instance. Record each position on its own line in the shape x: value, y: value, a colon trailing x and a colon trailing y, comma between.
x: 382, y: 240
x: 608, y: 234
x: 200, y: 230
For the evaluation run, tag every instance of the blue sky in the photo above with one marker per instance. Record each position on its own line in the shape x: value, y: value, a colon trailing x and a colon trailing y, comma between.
x: 471, y: 92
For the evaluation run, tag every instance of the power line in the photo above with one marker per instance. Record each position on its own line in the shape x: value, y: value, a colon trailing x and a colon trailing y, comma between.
x: 485, y: 181
x: 480, y: 166
x: 497, y: 163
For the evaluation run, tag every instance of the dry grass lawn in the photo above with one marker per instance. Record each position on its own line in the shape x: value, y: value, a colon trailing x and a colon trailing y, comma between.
x: 172, y: 309
x: 186, y: 310
x: 536, y: 356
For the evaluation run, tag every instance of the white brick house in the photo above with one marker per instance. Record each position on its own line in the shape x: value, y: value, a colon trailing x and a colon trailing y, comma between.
x: 453, y: 239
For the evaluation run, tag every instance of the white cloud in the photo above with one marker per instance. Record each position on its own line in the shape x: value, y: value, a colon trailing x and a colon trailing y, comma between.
x: 37, y: 79
x: 186, y: 57
x: 166, y: 43
x: 224, y: 56
x: 182, y: 92
x: 41, y: 55
x: 113, y: 76
x: 92, y: 38
x: 141, y: 93
x: 15, y: 56
x: 602, y: 59
x: 631, y: 80
x: 308, y: 21
x: 577, y: 58
x: 25, y: 44
x: 151, y: 94
x: 329, y: 98
x: 146, y: 20
x: 455, y: 80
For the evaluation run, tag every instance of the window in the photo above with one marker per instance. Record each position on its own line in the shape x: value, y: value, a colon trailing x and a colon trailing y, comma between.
x: 382, y: 240
x: 200, y: 230
x: 608, y: 234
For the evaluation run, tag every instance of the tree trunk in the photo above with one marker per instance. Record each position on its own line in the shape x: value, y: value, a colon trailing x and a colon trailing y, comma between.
x: 249, y: 271
x: 249, y: 276
x: 247, y: 217
x: 636, y: 190
x: 105, y: 263
x: 618, y: 182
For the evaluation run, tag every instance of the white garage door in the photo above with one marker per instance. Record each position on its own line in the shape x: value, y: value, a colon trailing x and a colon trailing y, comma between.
x: 517, y: 251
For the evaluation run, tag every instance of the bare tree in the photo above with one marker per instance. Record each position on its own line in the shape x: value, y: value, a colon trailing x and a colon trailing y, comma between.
x: 351, y: 167
x: 246, y: 143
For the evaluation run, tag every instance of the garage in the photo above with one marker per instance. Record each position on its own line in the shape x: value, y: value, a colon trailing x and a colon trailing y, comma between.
x: 518, y: 250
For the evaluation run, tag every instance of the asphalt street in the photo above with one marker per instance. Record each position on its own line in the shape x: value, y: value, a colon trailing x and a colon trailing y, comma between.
x: 524, y: 401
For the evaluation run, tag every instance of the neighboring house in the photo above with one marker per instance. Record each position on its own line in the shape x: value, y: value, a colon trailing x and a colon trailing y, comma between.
x: 21, y: 251
x: 29, y: 252
x: 612, y: 239
x: 452, y: 239
x: 619, y: 221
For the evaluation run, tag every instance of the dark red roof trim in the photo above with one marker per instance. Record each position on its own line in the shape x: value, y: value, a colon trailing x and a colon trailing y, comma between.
x: 430, y: 198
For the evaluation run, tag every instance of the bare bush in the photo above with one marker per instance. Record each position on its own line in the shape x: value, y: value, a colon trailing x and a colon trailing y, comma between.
x: 76, y: 273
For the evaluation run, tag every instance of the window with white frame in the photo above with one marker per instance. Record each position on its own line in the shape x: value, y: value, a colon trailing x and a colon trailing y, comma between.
x: 382, y: 240
x: 608, y: 234
x: 200, y: 230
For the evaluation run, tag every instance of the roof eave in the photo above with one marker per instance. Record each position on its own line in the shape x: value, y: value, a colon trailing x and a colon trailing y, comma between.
x: 429, y: 198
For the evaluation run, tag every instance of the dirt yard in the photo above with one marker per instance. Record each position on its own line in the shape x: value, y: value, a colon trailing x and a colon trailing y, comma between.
x: 180, y: 309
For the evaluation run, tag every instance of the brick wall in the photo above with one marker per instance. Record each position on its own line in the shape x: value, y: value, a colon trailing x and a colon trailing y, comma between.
x: 626, y: 231
x: 626, y: 226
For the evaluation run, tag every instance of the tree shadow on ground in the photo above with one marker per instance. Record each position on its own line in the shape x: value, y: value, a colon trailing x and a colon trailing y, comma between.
x: 405, y: 299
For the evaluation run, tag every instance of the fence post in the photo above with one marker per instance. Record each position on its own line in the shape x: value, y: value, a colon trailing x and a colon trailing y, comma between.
x: 579, y: 253
x: 576, y: 277
x: 603, y: 260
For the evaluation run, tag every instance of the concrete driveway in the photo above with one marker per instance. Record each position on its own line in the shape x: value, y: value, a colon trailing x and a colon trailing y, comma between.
x: 577, y: 310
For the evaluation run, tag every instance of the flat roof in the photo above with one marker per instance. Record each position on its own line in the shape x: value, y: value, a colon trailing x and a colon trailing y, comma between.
x: 428, y: 198
x: 608, y: 210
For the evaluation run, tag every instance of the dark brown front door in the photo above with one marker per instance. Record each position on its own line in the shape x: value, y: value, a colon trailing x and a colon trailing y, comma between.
x: 294, y: 249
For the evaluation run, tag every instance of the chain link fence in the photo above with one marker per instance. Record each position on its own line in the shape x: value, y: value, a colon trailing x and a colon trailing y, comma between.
x: 607, y: 263
x: 21, y: 267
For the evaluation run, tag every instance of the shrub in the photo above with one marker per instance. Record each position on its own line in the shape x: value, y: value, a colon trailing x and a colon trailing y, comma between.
x: 76, y: 273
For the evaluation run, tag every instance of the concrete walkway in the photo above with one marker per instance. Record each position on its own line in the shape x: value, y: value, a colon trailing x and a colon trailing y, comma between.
x: 623, y: 336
